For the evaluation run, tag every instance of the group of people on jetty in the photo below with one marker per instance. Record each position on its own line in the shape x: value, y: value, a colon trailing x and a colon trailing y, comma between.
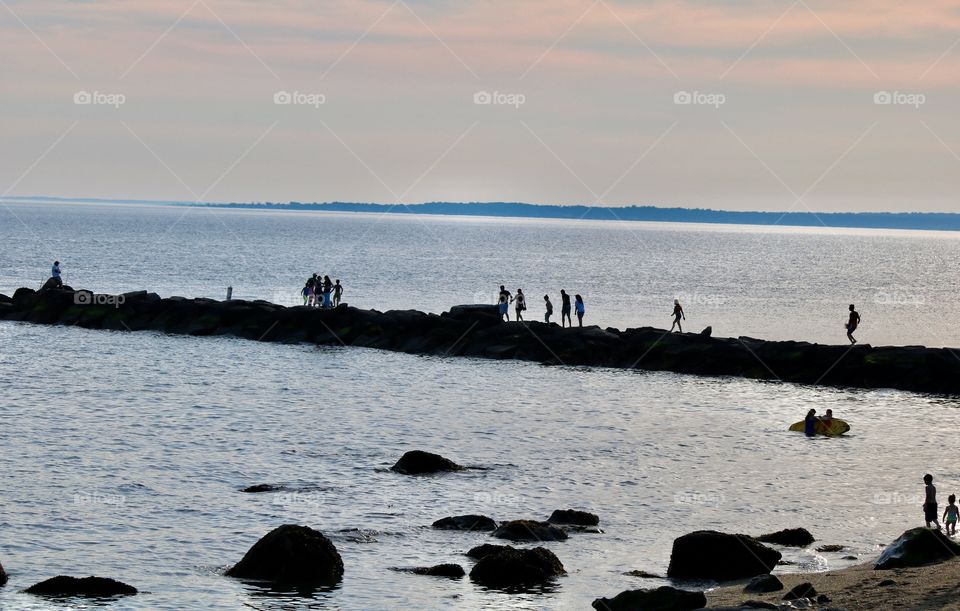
x: 321, y: 292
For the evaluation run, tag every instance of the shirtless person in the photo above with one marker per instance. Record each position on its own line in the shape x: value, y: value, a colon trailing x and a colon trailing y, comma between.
x: 852, y: 324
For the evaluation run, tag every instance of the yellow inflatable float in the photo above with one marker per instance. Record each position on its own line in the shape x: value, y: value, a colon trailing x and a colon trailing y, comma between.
x: 836, y: 427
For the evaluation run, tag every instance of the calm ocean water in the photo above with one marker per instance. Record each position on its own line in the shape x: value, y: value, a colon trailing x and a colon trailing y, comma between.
x: 124, y: 454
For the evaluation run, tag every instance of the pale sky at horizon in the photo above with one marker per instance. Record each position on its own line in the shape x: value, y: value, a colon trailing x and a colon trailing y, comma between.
x: 793, y: 105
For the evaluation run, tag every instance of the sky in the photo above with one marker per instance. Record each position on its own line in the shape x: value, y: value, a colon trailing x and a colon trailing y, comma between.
x: 743, y: 105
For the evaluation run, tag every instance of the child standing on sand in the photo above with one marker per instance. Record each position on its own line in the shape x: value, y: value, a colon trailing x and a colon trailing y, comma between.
x: 950, y: 515
x: 930, y: 502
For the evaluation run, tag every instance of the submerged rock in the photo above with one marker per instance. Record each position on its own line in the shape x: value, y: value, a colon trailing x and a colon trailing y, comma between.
x: 64, y: 585
x: 664, y: 598
x: 830, y: 548
x: 517, y: 567
x: 263, y: 488
x: 797, y: 537
x: 418, y: 462
x: 453, y: 571
x: 486, y: 549
x: 468, y: 522
x: 291, y: 554
x: 917, y: 547
x: 574, y: 517
x: 529, y: 530
x: 708, y: 554
x: 643, y: 574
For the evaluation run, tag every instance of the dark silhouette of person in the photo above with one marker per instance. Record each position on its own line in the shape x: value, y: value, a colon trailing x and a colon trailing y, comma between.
x: 505, y: 299
x: 549, y: 306
x: 521, y: 304
x: 809, y: 423
x: 852, y: 324
x: 337, y: 292
x: 327, y: 289
x: 565, y: 308
x: 677, y: 316
x: 581, y: 309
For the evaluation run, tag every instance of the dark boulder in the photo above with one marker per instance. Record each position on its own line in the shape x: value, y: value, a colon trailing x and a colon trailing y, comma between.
x: 467, y: 522
x: 575, y: 517
x: 643, y: 574
x: 763, y: 583
x: 830, y: 548
x: 63, y: 585
x: 517, y: 567
x: 886, y: 583
x: 708, y: 554
x: 52, y: 283
x: 486, y: 549
x: 796, y: 537
x: 263, y: 488
x: 917, y: 547
x: 418, y: 462
x: 804, y: 590
x: 529, y: 530
x: 291, y: 554
x: 3, y: 575
x: 664, y: 598
x: 454, y: 571
x: 707, y: 331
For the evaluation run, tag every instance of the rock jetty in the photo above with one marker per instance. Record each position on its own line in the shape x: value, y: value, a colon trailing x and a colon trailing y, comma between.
x: 476, y: 331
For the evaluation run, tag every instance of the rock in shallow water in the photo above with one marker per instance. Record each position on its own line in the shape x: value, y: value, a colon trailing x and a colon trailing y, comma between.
x: 418, y: 462
x: 486, y: 549
x: 291, y: 554
x: 798, y: 537
x: 3, y: 575
x: 574, y: 517
x: 64, y: 585
x: 454, y: 571
x: 529, y: 530
x: 664, y: 598
x: 708, y: 554
x: 468, y: 522
x: 517, y: 567
x: 917, y: 547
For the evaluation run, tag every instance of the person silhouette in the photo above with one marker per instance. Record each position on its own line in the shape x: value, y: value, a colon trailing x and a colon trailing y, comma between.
x: 565, y: 308
x: 55, y: 274
x: 581, y: 309
x: 505, y: 299
x: 549, y: 306
x: 677, y: 315
x: 337, y: 292
x: 521, y: 304
x: 809, y: 423
x: 852, y: 323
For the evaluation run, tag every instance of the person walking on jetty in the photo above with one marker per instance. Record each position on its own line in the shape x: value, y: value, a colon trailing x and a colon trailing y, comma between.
x: 505, y: 299
x: 337, y: 292
x: 677, y: 316
x: 950, y: 515
x: 549, y: 306
x: 55, y: 274
x: 581, y: 310
x: 930, y: 502
x: 565, y: 308
x: 852, y: 323
x: 521, y: 302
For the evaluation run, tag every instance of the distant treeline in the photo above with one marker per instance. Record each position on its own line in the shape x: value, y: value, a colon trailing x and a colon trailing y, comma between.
x: 875, y: 220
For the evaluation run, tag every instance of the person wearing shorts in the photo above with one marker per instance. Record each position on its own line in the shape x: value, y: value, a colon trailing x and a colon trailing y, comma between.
x: 930, y: 502
x: 505, y: 303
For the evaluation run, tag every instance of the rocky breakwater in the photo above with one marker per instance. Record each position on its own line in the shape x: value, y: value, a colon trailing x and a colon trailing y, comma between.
x: 476, y: 331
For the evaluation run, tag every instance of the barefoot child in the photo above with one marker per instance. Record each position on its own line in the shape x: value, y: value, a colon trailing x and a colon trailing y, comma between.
x: 930, y: 502
x: 950, y: 515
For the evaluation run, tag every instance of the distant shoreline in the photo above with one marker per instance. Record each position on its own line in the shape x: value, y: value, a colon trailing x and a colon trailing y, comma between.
x: 915, y: 221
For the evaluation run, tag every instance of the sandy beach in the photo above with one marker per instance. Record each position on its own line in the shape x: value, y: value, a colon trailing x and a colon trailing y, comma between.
x: 858, y: 587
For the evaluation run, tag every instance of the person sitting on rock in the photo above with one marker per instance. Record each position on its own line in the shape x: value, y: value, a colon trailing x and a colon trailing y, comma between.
x: 55, y: 274
x: 930, y: 502
x: 677, y: 315
x: 950, y: 515
x: 549, y: 306
x: 337, y: 292
x: 505, y: 299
